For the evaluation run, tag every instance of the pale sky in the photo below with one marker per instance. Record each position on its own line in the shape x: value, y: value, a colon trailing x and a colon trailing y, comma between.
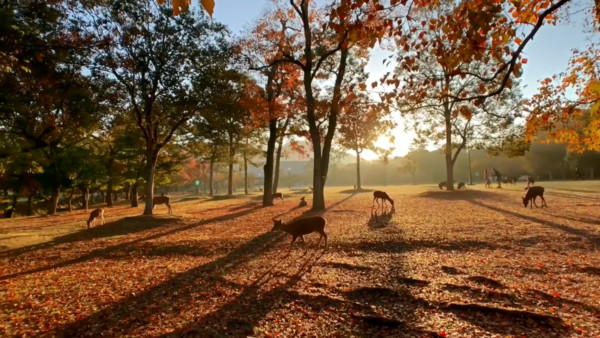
x: 547, y: 54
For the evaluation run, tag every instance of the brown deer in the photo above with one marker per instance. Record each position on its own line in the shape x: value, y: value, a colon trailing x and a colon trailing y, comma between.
x: 303, y: 226
x: 302, y: 202
x: 532, y: 194
x: 96, y: 213
x: 161, y: 200
x: 277, y: 195
x: 461, y: 185
x: 381, y: 195
x: 443, y: 185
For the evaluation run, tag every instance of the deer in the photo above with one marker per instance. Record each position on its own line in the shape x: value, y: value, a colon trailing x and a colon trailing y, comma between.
x: 162, y: 199
x: 302, y: 202
x: 96, y: 213
x: 303, y: 226
x: 442, y: 185
x: 277, y: 195
x: 383, y: 196
x: 461, y: 185
x: 532, y: 194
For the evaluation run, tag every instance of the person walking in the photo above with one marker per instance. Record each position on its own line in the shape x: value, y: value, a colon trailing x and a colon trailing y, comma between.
x: 498, y: 177
x: 486, y: 178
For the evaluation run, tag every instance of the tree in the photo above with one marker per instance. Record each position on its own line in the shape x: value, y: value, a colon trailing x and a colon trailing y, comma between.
x: 324, y: 52
x: 155, y: 58
x: 361, y: 125
x: 437, y: 74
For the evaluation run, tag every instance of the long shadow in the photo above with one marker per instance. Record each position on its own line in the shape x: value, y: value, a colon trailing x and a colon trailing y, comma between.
x: 109, y: 250
x: 124, y: 226
x: 168, y: 297
x: 583, y: 219
x: 459, y: 195
x: 578, y: 232
x: 401, y: 246
x: 352, y: 191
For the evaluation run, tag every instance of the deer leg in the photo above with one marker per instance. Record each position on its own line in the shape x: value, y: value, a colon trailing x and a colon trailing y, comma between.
x: 544, y: 202
x: 535, y: 198
x: 102, y: 219
x: 293, y: 240
x: 304, y: 243
x: 170, y: 209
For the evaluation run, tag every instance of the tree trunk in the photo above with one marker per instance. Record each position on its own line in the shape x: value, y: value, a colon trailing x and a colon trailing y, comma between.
x: 210, y: 179
x: 29, y: 205
x: 70, y: 200
x: 86, y: 198
x: 268, y: 168
x: 448, y: 151
x: 127, y: 190
x: 230, y: 179
x: 54, y: 200
x: 134, y: 195
x: 11, y: 213
x: 109, y: 193
x: 152, y: 157
x: 358, y: 186
x: 277, y: 164
x: 245, y: 175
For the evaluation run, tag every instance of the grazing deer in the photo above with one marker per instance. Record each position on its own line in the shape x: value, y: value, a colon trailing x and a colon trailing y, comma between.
x: 161, y: 200
x: 443, y: 185
x: 96, y: 213
x: 461, y: 185
x: 277, y: 195
x: 302, y: 202
x: 303, y: 226
x: 532, y: 194
x: 381, y: 195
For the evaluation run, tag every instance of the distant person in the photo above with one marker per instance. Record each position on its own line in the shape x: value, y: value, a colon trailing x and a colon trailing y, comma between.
x: 498, y: 177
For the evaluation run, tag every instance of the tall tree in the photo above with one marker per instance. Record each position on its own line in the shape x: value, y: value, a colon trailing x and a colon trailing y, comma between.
x: 155, y: 58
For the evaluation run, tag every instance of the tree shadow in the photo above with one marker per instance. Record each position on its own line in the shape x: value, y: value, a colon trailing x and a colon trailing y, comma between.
x: 107, y: 251
x: 355, y: 191
x: 401, y: 246
x: 459, y: 194
x: 594, y: 239
x: 167, y: 297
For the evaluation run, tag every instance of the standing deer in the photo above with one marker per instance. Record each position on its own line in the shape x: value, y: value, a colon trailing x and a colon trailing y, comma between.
x: 161, y: 200
x: 96, y: 213
x: 303, y: 226
x: 277, y: 195
x: 381, y: 195
x: 532, y: 194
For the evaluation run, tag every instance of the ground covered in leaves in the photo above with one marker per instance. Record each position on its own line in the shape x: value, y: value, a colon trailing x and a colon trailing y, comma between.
x: 464, y: 263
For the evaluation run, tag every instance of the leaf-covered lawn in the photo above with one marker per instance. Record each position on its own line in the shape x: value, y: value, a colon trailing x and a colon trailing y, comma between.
x: 466, y: 263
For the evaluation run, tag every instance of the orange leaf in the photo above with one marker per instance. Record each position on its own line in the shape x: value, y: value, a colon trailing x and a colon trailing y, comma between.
x: 518, y: 41
x: 374, y: 84
x: 209, y: 6
x: 524, y: 61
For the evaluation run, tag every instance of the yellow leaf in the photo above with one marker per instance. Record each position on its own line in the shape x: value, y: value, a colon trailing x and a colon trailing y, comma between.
x: 209, y: 6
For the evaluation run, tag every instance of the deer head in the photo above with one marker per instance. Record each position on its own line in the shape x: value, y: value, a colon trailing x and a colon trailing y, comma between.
x: 276, y: 224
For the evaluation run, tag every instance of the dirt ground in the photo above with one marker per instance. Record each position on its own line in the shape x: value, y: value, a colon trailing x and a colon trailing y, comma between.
x: 468, y: 263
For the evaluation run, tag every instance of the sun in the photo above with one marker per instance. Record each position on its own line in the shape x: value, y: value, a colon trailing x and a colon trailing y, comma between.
x: 401, y: 145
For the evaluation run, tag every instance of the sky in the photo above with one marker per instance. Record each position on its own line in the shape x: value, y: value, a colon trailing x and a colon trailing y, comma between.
x: 548, y: 53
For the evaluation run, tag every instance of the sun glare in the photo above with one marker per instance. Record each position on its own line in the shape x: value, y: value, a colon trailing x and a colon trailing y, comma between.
x: 401, y: 145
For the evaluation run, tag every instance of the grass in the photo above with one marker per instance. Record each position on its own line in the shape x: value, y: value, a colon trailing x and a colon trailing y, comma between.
x: 464, y: 263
